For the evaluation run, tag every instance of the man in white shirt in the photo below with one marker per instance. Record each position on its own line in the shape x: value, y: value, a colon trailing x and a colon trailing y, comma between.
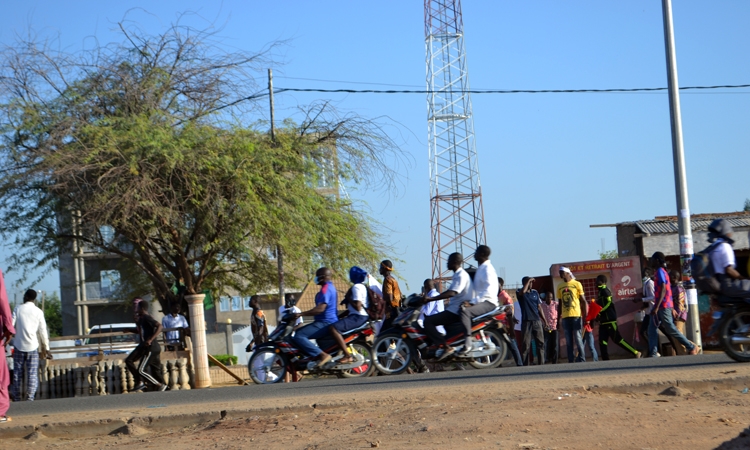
x: 647, y: 302
x: 356, y: 305
x: 174, y: 320
x: 431, y: 308
x: 289, y: 306
x: 30, y: 326
x: 723, y: 261
x: 459, y: 292
x: 485, y: 292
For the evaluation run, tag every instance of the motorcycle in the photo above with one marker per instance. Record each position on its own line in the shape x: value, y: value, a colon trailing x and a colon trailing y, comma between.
x: 732, y: 322
x: 396, y: 348
x: 273, y: 359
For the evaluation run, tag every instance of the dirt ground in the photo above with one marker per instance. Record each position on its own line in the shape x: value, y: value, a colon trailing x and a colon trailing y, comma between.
x: 707, y: 410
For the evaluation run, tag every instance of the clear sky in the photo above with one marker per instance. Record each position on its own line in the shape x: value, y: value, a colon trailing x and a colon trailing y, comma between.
x: 550, y: 164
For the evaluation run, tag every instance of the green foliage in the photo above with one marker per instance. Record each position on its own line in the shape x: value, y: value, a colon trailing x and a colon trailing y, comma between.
x: 609, y: 254
x: 227, y: 360
x: 52, y: 314
x: 150, y: 140
x: 747, y: 205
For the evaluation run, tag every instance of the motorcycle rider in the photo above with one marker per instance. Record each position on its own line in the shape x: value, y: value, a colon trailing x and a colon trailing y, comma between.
x: 460, y: 292
x: 356, y: 304
x: 324, y: 314
x: 290, y: 305
x: 723, y: 260
x: 485, y: 291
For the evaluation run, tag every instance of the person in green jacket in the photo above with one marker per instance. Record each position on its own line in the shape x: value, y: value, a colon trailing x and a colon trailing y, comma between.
x: 608, y: 321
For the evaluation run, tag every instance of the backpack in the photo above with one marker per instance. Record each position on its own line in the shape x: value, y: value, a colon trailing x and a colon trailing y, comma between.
x: 375, y: 303
x: 703, y: 271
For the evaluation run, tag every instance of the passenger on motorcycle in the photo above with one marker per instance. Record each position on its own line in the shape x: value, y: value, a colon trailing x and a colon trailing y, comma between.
x: 324, y: 314
x: 485, y: 294
x: 461, y: 291
x: 356, y: 305
x: 723, y: 260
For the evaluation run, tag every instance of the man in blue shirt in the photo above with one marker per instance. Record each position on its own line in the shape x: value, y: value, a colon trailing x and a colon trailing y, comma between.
x: 532, y: 317
x: 324, y: 314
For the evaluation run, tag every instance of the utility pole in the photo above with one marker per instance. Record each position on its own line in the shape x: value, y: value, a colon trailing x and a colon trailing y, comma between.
x: 680, y: 178
x: 279, y: 254
x: 270, y: 97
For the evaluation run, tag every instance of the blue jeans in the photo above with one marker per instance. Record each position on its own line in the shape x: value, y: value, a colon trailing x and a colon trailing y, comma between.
x: 588, y: 340
x: 572, y: 330
x: 514, y: 351
x: 315, y: 330
x: 669, y: 328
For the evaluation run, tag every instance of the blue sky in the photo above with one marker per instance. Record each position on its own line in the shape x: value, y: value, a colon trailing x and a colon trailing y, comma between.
x: 550, y: 164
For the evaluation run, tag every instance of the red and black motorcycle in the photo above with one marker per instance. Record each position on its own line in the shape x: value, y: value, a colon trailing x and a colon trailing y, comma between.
x: 273, y: 359
x: 397, y: 347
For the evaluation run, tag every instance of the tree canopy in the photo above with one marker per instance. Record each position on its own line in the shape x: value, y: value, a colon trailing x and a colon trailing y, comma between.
x: 148, y: 149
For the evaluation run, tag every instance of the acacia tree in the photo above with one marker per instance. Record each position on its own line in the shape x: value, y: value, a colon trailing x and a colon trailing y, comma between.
x: 149, y: 138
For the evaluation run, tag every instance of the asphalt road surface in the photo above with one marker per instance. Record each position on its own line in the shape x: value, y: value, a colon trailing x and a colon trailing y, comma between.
x: 321, y: 387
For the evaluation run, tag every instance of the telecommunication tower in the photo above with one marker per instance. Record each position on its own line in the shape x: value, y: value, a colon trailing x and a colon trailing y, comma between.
x: 456, y: 213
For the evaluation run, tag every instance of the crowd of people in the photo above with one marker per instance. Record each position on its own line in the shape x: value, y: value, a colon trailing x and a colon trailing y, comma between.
x: 535, y: 318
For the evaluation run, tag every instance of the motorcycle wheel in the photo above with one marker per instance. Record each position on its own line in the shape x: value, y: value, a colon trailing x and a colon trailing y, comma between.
x: 266, y: 366
x: 492, y: 361
x: 736, y: 326
x: 366, y: 369
x: 392, y: 354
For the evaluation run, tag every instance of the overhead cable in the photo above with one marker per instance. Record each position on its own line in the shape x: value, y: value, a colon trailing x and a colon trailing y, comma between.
x: 507, y: 91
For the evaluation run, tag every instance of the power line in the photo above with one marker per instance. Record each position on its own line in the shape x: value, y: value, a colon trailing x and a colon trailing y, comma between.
x: 508, y: 91
x: 350, y: 82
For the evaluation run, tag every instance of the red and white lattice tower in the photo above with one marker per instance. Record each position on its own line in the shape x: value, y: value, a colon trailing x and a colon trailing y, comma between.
x: 456, y: 213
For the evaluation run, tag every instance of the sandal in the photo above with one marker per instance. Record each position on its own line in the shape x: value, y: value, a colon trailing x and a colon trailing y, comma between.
x: 345, y: 360
x: 4, y: 419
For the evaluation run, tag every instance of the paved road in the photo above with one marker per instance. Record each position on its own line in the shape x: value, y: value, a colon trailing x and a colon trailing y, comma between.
x: 325, y: 386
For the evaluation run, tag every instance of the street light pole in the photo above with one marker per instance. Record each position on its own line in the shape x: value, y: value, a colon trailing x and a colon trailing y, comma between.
x: 683, y: 206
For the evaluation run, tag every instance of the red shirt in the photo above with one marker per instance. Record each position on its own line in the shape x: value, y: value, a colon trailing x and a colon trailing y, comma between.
x: 662, y: 283
x: 505, y: 299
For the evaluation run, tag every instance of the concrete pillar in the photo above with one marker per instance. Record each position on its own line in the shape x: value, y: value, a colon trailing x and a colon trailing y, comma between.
x: 228, y: 331
x: 198, y: 334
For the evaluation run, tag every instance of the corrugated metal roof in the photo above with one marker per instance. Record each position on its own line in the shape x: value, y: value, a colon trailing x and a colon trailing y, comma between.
x: 306, y: 300
x: 668, y: 225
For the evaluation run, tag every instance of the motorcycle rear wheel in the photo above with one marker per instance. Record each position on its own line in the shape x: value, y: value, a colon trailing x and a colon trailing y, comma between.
x: 490, y: 362
x: 737, y: 325
x: 392, y: 354
x: 366, y: 369
x: 266, y: 366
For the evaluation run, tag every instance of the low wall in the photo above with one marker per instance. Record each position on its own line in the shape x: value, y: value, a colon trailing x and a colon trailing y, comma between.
x: 103, y: 378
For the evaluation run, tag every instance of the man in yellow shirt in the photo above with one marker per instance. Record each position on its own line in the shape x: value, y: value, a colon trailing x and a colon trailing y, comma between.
x: 572, y: 312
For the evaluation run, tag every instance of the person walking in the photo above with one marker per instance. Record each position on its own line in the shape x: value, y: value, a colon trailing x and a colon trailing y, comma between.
x: 572, y: 310
x: 7, y: 330
x: 148, y: 352
x: 30, y: 327
x: 680, y: 308
x: 504, y: 300
x: 533, y: 318
x: 588, y: 340
x: 551, y: 338
x: 608, y: 321
x: 663, y: 310
x: 258, y: 323
x: 391, y: 293
x: 175, y: 320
